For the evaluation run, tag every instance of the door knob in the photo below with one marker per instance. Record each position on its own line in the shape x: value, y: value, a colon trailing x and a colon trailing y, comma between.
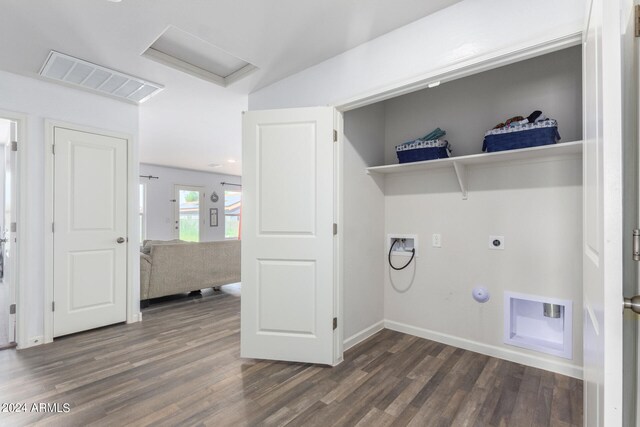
x: 633, y: 303
x: 120, y: 240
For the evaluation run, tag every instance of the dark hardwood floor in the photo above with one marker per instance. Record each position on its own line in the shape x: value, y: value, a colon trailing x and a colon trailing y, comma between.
x: 181, y: 366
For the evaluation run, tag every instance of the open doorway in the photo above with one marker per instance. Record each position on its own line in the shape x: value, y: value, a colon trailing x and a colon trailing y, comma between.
x: 179, y: 206
x: 8, y: 254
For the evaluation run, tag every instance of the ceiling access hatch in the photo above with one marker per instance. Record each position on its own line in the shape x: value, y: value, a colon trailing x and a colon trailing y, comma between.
x: 84, y: 74
x: 190, y: 54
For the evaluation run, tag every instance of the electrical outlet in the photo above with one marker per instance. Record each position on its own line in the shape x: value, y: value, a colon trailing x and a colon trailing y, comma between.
x: 496, y: 242
x: 436, y: 240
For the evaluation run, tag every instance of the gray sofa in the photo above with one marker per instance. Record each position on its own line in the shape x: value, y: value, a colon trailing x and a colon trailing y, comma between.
x: 172, y: 267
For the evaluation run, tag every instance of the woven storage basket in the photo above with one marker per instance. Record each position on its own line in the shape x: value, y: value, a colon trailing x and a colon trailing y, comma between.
x: 533, y: 137
x: 418, y: 151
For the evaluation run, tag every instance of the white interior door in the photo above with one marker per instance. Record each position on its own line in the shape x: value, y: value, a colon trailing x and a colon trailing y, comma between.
x: 631, y: 168
x: 603, y: 214
x: 90, y: 218
x: 287, y: 235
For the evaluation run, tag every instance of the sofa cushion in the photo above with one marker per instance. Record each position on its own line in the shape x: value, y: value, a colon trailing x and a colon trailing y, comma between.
x: 148, y: 244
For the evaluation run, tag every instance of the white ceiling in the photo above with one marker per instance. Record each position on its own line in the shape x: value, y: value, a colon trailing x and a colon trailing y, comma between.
x: 193, y: 122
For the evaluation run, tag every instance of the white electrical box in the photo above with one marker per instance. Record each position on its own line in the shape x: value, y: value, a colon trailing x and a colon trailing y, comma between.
x: 403, y: 244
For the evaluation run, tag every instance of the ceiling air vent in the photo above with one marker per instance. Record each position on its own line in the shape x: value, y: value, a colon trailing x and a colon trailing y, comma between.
x: 190, y: 54
x: 74, y: 71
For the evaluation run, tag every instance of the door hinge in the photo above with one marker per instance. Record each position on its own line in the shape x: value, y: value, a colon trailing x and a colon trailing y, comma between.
x: 53, y: 306
x: 637, y: 20
x: 636, y: 245
x: 53, y: 149
x: 53, y: 227
x: 14, y: 145
x: 335, y: 228
x: 14, y: 227
x: 335, y: 135
x: 335, y: 323
x: 12, y: 309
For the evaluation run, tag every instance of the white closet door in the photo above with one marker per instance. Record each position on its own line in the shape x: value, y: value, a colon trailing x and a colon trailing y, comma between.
x: 603, y: 213
x: 287, y: 235
x: 90, y: 214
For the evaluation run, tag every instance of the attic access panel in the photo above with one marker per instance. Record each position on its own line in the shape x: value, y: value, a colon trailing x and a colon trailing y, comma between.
x: 190, y: 54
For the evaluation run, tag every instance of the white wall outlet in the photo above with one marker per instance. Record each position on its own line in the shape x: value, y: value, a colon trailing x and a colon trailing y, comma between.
x: 436, y: 240
x: 496, y: 242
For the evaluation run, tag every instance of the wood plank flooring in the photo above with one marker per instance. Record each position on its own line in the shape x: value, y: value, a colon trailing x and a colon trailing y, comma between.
x: 181, y: 366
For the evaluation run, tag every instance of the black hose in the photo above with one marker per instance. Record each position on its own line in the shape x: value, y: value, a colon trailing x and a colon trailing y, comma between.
x: 413, y: 254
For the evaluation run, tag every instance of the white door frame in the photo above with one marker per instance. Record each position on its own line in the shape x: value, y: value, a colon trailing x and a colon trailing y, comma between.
x: 458, y: 70
x: 133, y: 262
x: 338, y: 249
x: 22, y: 228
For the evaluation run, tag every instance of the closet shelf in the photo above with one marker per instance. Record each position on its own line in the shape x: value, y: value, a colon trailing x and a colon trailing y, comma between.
x: 459, y: 164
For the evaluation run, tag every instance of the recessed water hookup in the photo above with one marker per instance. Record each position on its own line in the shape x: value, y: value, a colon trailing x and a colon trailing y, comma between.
x: 538, y: 323
x: 402, y: 244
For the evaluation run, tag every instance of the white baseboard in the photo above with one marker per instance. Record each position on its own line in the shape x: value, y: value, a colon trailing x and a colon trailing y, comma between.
x: 32, y: 342
x: 363, y: 335
x: 489, y: 350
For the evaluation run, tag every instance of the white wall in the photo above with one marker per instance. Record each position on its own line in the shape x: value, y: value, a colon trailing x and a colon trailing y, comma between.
x: 40, y: 100
x: 202, y: 116
x: 536, y: 206
x: 466, y: 30
x: 363, y: 222
x: 160, y: 192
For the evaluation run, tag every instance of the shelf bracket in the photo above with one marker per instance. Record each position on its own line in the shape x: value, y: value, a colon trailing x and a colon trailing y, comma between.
x: 461, y: 173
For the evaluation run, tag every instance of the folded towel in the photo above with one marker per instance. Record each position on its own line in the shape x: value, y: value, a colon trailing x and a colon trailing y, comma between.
x: 516, y: 121
x: 437, y: 133
x: 546, y: 123
x: 434, y: 135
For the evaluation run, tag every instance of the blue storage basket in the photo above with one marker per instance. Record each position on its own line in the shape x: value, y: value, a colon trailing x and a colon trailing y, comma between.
x: 419, y: 150
x: 521, y: 139
x: 420, y: 154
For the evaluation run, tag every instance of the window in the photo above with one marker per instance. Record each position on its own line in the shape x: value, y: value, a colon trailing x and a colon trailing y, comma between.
x: 189, y: 203
x: 142, y: 211
x: 232, y: 208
